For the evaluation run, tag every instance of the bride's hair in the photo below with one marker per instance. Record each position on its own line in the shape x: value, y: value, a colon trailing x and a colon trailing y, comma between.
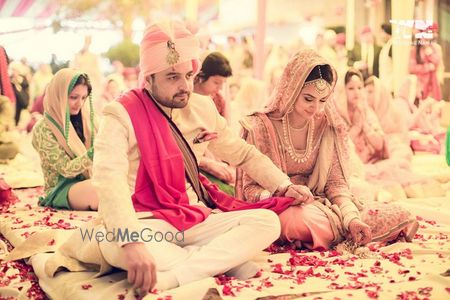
x: 322, y: 71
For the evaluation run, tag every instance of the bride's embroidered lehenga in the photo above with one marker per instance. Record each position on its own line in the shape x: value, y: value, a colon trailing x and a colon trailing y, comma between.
x: 322, y: 166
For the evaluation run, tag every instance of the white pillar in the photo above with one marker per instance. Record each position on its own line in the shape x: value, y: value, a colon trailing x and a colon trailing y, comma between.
x: 259, y: 55
x: 402, y: 20
x: 419, y: 10
x: 429, y: 10
x: 373, y: 19
x: 350, y: 25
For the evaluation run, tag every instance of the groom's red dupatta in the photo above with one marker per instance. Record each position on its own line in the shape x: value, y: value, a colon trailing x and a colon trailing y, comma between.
x: 166, y: 161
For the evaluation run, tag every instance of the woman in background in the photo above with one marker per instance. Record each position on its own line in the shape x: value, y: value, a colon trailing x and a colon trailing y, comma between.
x: 209, y: 82
x: 386, y: 162
x: 424, y: 62
x: 64, y: 139
x: 421, y: 117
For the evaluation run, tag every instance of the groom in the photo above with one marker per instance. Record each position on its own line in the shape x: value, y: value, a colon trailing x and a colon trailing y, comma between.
x: 146, y: 175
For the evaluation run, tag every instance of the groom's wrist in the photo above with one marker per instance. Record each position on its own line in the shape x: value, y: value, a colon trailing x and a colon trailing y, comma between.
x: 282, y: 188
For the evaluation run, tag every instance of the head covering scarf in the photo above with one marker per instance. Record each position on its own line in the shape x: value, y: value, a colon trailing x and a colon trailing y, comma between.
x: 367, y: 116
x: 57, y: 113
x: 292, y: 81
x: 166, y: 44
x: 382, y: 98
x: 290, y: 86
x: 282, y: 100
x: 409, y: 91
x: 5, y: 83
x: 389, y: 115
x: 259, y: 129
x: 343, y: 105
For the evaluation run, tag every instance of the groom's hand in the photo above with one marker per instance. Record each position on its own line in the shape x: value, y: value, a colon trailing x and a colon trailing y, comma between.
x: 140, y: 266
x: 204, y: 136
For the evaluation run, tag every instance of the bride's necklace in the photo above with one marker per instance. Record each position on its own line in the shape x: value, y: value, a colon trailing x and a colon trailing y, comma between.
x: 288, y: 139
x: 297, y: 128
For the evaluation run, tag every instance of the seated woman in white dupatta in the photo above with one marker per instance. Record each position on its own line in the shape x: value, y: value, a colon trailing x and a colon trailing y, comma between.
x: 390, y: 117
x: 387, y: 162
x: 421, y: 117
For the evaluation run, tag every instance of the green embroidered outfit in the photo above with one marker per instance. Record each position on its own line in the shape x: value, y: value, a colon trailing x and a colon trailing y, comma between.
x: 65, y: 148
x: 60, y: 171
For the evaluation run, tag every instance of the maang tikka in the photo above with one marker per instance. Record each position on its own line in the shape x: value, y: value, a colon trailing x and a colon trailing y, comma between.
x: 320, y: 84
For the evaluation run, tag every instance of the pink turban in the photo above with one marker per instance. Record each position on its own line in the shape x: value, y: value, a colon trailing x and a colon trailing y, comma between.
x: 165, y: 45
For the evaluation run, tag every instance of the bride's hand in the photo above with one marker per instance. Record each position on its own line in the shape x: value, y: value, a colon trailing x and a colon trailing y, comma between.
x: 302, y: 194
x: 360, y: 232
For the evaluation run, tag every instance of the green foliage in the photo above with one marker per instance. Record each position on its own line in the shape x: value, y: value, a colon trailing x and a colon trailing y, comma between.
x: 126, y: 51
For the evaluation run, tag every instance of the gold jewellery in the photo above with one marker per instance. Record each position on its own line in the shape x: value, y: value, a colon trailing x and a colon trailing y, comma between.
x: 320, y: 84
x: 172, y: 56
x: 288, y: 139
